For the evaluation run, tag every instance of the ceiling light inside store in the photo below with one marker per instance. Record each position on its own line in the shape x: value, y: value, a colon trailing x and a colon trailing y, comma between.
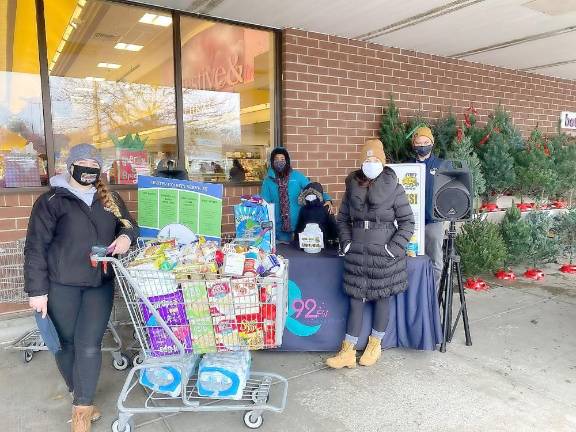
x: 72, y: 25
x: 128, y: 47
x: 91, y: 78
x: 159, y: 20
x: 109, y: 65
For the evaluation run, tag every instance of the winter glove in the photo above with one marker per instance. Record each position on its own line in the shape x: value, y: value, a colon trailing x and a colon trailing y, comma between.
x: 343, y: 249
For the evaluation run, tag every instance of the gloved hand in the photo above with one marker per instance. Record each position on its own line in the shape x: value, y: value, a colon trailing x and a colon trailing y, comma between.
x: 344, y: 248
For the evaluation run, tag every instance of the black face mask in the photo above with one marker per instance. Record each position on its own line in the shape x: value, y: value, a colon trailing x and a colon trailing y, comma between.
x: 423, y: 150
x: 86, y: 176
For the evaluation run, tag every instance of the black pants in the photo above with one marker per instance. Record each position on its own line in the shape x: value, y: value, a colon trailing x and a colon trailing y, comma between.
x: 380, y: 316
x: 80, y: 316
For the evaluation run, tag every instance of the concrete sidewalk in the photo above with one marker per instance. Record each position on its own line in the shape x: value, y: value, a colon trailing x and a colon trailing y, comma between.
x: 520, y: 375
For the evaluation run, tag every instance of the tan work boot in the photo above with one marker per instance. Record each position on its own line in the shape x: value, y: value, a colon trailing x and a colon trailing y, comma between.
x: 81, y: 418
x: 345, y: 358
x: 96, y: 413
x: 372, y: 352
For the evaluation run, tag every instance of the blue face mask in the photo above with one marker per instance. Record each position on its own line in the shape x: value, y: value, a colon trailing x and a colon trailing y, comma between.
x: 279, y: 165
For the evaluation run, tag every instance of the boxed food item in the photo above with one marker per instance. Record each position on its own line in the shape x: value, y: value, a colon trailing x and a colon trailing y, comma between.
x: 171, y: 308
x: 199, y: 318
x: 226, y: 333
x: 246, y: 298
x: 251, y: 330
x: 220, y: 298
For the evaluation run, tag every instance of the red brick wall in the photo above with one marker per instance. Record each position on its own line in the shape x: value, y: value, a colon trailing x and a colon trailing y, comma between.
x: 333, y: 93
x: 335, y: 88
x: 15, y: 210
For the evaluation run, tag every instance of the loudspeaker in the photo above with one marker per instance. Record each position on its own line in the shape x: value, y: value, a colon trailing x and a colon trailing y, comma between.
x: 453, y: 192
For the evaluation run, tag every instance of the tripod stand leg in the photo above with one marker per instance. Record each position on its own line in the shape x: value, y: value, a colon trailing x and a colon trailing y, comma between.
x: 442, y: 287
x: 446, y: 315
x: 463, y: 308
x: 450, y: 300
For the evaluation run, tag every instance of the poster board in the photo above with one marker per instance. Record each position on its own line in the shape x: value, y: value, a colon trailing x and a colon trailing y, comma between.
x: 163, y: 202
x: 413, y: 177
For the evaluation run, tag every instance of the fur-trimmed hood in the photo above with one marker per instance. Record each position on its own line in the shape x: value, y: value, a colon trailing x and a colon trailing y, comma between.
x: 311, y: 189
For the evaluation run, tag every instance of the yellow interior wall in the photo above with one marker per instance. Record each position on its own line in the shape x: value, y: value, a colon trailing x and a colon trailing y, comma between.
x: 25, y: 57
x: 58, y: 14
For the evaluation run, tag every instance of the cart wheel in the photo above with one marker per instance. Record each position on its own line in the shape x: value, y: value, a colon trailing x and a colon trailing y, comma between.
x: 27, y: 356
x: 253, y: 423
x: 129, y: 426
x: 137, y: 360
x: 122, y: 364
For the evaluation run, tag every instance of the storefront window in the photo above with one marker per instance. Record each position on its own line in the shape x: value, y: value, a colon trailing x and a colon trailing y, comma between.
x: 111, y: 70
x: 228, y: 88
x: 22, y: 147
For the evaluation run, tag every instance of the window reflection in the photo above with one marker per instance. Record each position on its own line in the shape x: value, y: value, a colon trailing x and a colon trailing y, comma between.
x: 228, y: 83
x: 112, y: 84
x: 23, y: 161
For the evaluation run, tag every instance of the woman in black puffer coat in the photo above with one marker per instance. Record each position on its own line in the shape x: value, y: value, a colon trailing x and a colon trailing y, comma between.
x: 374, y: 247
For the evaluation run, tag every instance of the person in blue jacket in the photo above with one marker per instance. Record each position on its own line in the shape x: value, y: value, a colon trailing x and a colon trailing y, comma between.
x: 282, y: 187
x: 423, y: 144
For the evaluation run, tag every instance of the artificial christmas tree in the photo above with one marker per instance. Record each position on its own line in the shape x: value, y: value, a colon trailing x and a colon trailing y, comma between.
x: 535, y: 171
x: 564, y: 228
x: 543, y: 246
x: 464, y: 151
x: 481, y: 247
x: 517, y: 236
x: 471, y: 127
x: 564, y: 156
x: 501, y: 122
x: 393, y: 134
x: 497, y: 166
x: 445, y: 130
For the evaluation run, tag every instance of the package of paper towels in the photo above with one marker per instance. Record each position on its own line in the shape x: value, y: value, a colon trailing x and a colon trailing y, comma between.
x: 168, y: 379
x: 224, y: 375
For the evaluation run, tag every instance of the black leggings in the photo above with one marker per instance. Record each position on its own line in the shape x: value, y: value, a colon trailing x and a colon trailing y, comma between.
x: 380, y: 315
x: 80, y: 316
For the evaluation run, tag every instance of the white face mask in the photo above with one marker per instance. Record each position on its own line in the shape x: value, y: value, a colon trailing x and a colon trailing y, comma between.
x: 311, y: 198
x: 372, y: 169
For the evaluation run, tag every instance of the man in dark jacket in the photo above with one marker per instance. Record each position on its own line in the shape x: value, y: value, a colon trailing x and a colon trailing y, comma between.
x: 423, y: 143
x: 313, y: 211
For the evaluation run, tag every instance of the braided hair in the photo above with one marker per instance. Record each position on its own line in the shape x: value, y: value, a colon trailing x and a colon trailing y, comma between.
x: 110, y: 203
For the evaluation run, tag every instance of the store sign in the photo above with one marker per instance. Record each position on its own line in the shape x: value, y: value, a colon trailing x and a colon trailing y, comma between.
x: 413, y: 178
x: 568, y: 120
x: 222, y: 57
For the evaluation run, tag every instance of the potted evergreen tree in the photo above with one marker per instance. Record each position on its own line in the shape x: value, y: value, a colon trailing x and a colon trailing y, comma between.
x: 565, y: 230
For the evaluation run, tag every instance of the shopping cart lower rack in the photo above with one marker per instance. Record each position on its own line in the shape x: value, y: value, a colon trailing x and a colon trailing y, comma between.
x: 12, y: 291
x: 156, y: 301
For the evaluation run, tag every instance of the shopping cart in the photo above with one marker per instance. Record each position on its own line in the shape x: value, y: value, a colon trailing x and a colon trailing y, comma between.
x: 143, y: 292
x: 12, y: 291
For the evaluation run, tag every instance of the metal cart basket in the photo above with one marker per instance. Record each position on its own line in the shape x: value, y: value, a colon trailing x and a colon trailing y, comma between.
x: 255, y: 318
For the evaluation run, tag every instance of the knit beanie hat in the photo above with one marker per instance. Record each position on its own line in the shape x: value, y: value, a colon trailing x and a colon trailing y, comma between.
x: 83, y: 151
x: 373, y: 148
x: 423, y: 131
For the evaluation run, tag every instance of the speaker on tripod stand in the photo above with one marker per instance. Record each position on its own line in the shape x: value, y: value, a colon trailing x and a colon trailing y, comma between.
x: 452, y: 200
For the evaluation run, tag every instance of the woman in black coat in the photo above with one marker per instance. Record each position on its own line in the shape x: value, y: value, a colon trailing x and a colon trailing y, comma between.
x: 77, y: 213
x: 375, y: 224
